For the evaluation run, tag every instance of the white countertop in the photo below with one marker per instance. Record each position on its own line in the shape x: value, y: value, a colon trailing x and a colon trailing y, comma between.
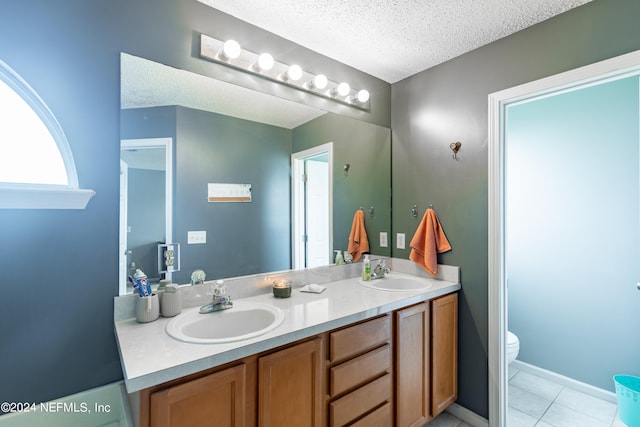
x: 149, y: 356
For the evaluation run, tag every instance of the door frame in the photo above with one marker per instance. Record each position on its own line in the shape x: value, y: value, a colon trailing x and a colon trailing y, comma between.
x: 297, y: 197
x: 611, y: 69
x: 123, y: 227
x: 167, y: 144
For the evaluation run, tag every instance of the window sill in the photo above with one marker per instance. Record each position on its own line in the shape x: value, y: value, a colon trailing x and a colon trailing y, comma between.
x: 44, y: 197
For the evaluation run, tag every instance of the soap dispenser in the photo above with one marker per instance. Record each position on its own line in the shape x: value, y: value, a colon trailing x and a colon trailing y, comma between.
x: 366, y: 268
x: 339, y: 258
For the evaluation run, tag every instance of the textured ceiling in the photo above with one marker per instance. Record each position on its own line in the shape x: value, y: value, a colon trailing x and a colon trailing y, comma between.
x: 146, y: 83
x: 393, y: 39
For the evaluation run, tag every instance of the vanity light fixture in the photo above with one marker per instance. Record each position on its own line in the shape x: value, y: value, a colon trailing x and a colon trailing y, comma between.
x: 230, y: 54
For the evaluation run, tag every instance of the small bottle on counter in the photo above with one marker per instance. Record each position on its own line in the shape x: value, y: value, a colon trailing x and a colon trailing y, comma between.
x: 366, y: 268
x: 339, y: 258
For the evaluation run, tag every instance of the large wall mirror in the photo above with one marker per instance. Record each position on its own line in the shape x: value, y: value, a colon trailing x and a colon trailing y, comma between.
x: 230, y: 136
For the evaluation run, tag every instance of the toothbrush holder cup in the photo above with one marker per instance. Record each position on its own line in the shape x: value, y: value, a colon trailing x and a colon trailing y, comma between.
x: 147, y: 308
x: 170, y: 304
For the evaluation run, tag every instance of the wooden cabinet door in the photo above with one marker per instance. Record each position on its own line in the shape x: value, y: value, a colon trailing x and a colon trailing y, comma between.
x: 444, y: 352
x: 290, y: 386
x: 412, y: 366
x: 216, y: 400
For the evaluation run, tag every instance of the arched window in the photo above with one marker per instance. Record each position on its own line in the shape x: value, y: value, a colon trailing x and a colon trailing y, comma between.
x: 37, y: 170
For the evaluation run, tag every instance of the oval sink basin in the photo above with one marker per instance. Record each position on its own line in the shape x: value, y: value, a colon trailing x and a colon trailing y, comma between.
x: 243, y: 321
x: 398, y: 282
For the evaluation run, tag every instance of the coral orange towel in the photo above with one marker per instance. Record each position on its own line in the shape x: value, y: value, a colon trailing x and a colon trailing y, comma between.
x: 358, y: 242
x: 428, y: 241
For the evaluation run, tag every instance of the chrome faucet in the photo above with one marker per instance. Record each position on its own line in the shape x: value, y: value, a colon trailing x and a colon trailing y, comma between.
x: 221, y: 300
x: 380, y: 269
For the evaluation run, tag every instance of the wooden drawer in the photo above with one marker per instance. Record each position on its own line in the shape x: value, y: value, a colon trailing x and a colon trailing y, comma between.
x: 360, y: 401
x: 381, y: 417
x: 360, y: 370
x: 356, y: 339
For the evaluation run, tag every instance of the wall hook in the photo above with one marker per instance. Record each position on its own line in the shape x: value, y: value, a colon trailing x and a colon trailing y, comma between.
x: 371, y: 212
x: 414, y: 211
x: 455, y: 146
x: 346, y: 168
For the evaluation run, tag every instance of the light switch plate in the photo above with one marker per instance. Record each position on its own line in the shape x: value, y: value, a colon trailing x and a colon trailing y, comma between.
x: 196, y: 237
x: 400, y: 240
x: 383, y: 239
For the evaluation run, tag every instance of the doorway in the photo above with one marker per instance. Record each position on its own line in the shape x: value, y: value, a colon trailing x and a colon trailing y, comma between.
x: 146, y: 200
x: 613, y: 69
x: 312, y: 189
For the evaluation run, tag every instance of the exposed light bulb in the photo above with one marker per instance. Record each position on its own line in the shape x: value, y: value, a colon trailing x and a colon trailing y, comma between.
x: 344, y: 89
x: 265, y: 62
x: 295, y: 72
x: 231, y: 50
x: 363, y: 96
x: 320, y: 81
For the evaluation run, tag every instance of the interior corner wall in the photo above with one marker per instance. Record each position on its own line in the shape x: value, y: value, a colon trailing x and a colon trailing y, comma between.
x: 367, y: 149
x: 449, y: 103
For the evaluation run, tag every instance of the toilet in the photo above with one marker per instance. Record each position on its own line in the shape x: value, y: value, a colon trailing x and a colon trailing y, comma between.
x: 513, y: 347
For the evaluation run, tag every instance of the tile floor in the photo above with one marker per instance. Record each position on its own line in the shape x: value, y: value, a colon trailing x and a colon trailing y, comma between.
x: 536, y: 401
x: 445, y: 419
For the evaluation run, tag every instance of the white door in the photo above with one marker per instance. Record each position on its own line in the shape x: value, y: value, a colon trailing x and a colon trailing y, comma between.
x: 312, y: 206
x: 317, y: 213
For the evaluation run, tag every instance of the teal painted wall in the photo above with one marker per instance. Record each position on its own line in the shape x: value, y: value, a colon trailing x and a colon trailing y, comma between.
x: 448, y: 103
x: 146, y: 216
x: 573, y: 234
x: 242, y: 238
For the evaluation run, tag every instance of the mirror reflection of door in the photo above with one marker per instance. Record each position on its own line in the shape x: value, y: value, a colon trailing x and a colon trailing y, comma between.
x: 145, y: 211
x: 312, y: 195
x: 123, y: 251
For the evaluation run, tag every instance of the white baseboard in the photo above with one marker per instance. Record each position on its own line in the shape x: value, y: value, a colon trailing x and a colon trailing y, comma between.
x: 565, y: 381
x: 467, y: 415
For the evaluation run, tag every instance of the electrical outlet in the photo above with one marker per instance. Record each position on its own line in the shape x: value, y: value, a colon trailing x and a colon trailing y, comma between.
x: 400, y: 240
x: 196, y: 237
x: 383, y: 239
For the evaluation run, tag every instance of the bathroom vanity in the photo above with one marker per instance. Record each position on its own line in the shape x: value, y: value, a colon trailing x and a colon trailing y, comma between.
x: 350, y: 355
